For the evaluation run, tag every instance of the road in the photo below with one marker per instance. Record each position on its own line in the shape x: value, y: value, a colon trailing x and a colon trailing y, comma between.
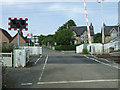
x: 56, y: 69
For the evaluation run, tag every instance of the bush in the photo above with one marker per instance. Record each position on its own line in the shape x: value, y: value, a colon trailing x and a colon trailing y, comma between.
x: 66, y: 47
x: 85, y: 51
x: 7, y: 48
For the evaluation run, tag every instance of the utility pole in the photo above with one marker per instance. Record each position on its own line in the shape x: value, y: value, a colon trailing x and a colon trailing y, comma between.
x: 102, y: 22
x: 103, y: 41
x: 118, y: 30
x: 18, y: 38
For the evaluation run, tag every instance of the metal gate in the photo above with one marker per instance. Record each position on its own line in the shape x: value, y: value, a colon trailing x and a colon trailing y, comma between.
x: 6, y: 59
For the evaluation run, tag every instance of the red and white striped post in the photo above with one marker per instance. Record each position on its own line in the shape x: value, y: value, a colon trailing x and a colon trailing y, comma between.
x: 88, y: 29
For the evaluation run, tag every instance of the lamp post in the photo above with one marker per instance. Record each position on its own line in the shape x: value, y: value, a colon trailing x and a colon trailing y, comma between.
x: 102, y: 22
x: 118, y: 30
x: 103, y: 41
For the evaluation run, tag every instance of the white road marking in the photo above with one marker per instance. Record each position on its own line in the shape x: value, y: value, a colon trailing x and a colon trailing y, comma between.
x: 43, y: 68
x: 102, y: 62
x: 101, y: 58
x: 105, y: 60
x: 24, y: 84
x: 38, y: 59
x: 82, y: 81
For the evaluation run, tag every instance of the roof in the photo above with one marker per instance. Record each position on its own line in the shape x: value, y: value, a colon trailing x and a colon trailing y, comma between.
x: 107, y: 29
x: 21, y: 36
x: 6, y: 33
x: 79, y: 30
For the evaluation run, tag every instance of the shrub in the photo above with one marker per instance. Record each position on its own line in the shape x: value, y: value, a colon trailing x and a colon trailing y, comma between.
x: 65, y: 47
x: 85, y: 51
x: 7, y: 48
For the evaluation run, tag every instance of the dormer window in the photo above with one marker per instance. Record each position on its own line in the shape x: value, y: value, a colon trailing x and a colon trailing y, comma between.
x: 113, y: 33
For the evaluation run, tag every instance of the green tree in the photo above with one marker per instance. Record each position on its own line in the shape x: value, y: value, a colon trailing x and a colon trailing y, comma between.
x: 64, y: 37
x: 41, y: 38
x: 98, y: 38
x: 68, y: 23
x: 45, y: 39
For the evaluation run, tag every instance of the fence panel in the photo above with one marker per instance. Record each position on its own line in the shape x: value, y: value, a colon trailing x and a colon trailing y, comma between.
x: 7, y: 59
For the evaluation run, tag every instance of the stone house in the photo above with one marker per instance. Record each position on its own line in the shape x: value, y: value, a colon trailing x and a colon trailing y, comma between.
x: 81, y: 33
x: 5, y: 36
x: 110, y: 33
x: 23, y: 40
x: 7, y: 39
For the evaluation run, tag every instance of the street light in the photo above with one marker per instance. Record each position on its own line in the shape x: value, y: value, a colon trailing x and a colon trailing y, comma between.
x: 103, y: 41
x: 118, y: 30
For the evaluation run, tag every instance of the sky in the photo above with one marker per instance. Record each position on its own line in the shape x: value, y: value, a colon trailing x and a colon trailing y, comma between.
x: 45, y: 17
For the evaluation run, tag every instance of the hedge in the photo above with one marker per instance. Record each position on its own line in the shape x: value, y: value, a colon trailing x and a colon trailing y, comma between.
x: 66, y: 47
x: 7, y: 48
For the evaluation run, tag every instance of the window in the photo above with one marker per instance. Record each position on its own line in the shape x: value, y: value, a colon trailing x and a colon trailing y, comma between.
x: 113, y: 35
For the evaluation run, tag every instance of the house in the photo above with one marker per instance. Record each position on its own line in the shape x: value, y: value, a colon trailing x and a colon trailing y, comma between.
x: 81, y: 33
x: 110, y: 33
x: 23, y: 40
x: 5, y: 36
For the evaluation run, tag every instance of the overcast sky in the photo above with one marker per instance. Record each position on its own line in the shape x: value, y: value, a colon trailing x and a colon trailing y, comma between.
x: 45, y: 17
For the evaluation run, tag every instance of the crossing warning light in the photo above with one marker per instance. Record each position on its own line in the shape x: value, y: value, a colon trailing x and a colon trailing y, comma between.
x: 18, y: 24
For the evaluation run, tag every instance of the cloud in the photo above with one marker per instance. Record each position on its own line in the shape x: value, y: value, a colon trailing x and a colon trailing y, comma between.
x: 69, y: 10
x: 17, y: 1
x: 66, y: 8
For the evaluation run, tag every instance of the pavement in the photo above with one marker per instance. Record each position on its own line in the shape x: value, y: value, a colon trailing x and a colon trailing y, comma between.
x: 55, y: 69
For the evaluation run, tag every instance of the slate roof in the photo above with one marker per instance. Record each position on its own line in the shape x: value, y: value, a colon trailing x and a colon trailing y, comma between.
x: 79, y: 30
x: 6, y: 34
x: 107, y: 29
x: 21, y: 36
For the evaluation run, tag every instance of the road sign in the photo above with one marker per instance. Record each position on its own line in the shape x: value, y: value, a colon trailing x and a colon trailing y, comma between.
x: 18, y: 24
x: 29, y: 35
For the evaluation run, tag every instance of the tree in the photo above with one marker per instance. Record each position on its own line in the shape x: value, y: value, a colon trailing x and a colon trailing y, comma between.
x: 98, y: 38
x: 45, y: 39
x: 41, y: 38
x: 68, y: 23
x: 64, y: 37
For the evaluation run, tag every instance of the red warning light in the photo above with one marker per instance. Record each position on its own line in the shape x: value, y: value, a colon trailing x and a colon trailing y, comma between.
x: 9, y: 23
x: 9, y: 28
x: 26, y: 29
x: 15, y: 18
x: 9, y: 18
x: 26, y: 19
x: 15, y: 29
x: 20, y: 29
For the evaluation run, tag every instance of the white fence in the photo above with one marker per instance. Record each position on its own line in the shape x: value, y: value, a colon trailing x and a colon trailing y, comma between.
x: 97, y: 48
x: 79, y: 49
x: 34, y: 50
x: 6, y: 59
x: 19, y: 58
